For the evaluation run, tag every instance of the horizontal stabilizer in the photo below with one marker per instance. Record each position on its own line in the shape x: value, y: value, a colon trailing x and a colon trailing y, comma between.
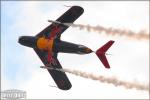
x: 101, y: 53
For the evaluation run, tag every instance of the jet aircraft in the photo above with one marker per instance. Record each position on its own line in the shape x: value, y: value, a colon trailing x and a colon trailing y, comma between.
x: 47, y: 44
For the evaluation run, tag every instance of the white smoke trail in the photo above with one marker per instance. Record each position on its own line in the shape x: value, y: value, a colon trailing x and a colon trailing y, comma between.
x: 109, y: 31
x: 104, y: 79
x: 109, y: 80
x: 112, y: 31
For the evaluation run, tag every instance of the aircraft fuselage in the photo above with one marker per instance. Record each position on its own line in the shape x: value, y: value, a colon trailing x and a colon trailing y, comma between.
x: 55, y: 45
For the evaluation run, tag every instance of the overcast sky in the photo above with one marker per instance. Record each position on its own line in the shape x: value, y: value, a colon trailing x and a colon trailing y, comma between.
x: 20, y: 66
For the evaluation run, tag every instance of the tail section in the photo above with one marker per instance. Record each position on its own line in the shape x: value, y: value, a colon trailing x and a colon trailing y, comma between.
x: 101, y: 53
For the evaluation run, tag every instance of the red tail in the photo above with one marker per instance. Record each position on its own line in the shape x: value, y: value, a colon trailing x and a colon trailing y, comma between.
x: 101, y: 53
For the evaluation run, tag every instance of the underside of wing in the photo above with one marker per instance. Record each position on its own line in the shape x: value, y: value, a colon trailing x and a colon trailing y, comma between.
x: 55, y: 30
x: 53, y: 33
x: 59, y: 77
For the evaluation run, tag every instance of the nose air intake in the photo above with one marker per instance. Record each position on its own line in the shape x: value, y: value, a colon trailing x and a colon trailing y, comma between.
x: 28, y: 41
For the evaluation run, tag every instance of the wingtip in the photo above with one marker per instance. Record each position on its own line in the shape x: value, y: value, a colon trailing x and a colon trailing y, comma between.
x: 112, y: 41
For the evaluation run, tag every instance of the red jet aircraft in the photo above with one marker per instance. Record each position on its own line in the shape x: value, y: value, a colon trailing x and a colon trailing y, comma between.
x: 47, y: 44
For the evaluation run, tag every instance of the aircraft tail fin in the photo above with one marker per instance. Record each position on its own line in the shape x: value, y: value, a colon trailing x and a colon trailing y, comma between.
x: 102, y: 51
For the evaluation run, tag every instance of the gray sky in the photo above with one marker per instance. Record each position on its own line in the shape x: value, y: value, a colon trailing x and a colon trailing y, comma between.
x: 129, y: 60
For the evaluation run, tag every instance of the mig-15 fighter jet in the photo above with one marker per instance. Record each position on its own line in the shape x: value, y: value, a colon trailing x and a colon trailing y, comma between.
x: 47, y: 44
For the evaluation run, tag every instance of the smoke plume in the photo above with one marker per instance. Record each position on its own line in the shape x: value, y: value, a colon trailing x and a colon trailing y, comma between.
x: 109, y: 80
x: 112, y: 31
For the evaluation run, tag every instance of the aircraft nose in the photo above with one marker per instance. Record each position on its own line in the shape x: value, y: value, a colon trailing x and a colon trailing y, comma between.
x: 20, y: 39
x: 27, y: 41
